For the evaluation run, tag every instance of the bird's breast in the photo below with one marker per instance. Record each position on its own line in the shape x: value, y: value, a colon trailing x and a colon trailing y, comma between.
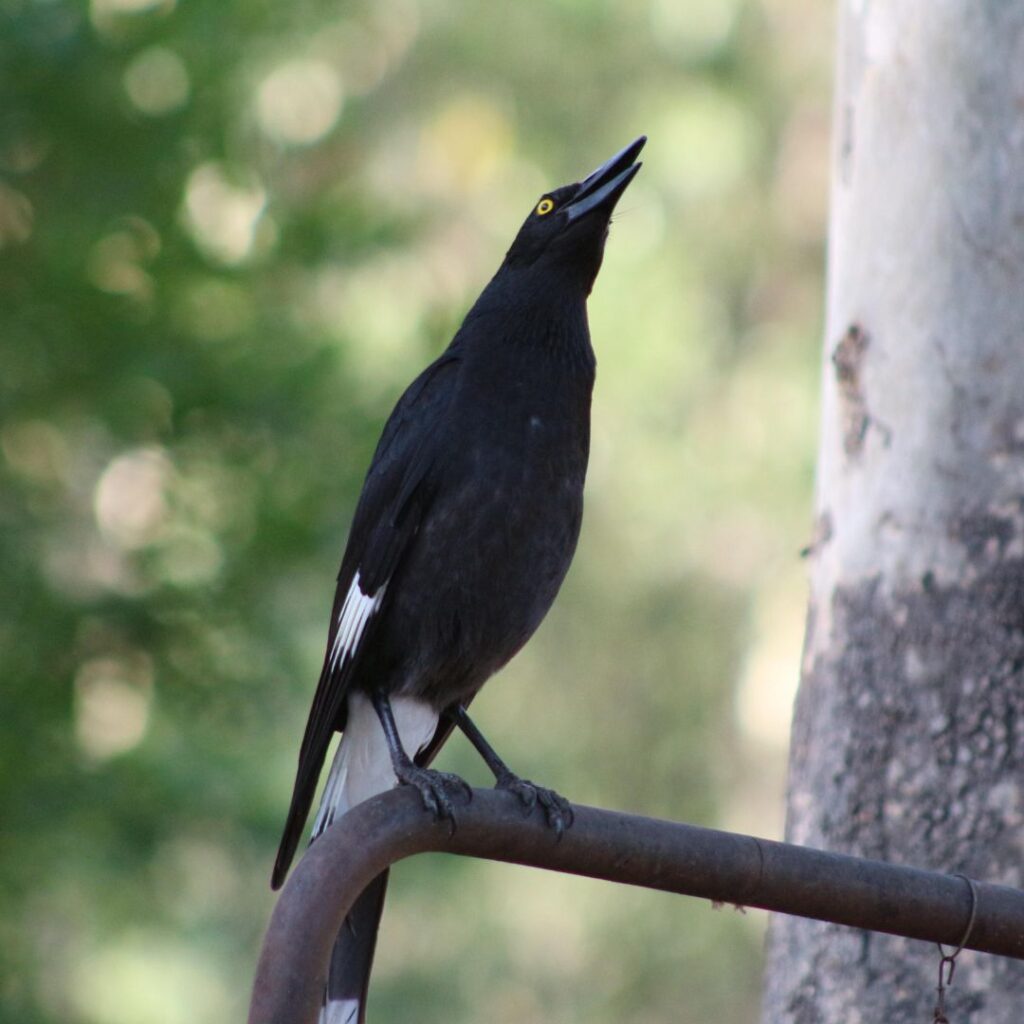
x: 496, y: 541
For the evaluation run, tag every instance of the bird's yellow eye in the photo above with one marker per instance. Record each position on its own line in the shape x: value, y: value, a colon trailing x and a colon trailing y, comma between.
x: 545, y: 206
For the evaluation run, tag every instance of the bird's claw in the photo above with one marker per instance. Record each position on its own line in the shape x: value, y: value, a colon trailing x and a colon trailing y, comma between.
x: 437, y: 790
x: 557, y: 810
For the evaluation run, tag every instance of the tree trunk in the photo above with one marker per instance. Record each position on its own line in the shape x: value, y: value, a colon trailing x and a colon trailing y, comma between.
x: 908, y: 741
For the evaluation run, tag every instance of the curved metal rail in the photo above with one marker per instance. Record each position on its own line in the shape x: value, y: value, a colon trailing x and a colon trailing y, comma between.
x: 665, y: 855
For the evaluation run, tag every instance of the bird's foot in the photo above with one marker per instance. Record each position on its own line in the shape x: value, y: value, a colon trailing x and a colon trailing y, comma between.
x: 557, y: 810
x: 437, y: 790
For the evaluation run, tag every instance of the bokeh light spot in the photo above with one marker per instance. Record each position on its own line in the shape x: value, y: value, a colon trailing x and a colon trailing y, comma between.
x: 130, y: 501
x: 24, y: 143
x: 144, y: 979
x: 35, y: 449
x: 114, y: 19
x: 114, y: 263
x: 128, y: 6
x: 707, y: 140
x: 695, y: 29
x: 221, y: 215
x: 213, y: 310
x: 156, y: 81
x: 112, y: 704
x: 190, y: 557
x: 299, y: 102
x: 466, y: 143
x: 16, y: 216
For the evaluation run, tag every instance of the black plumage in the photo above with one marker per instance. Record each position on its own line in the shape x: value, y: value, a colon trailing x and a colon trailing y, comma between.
x: 469, y: 515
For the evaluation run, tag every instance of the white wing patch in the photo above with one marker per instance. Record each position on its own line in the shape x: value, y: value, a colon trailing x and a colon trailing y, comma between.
x: 332, y: 803
x: 355, y: 613
x: 339, y: 1011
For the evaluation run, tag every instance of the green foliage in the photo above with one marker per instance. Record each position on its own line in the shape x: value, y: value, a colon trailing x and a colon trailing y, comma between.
x: 229, y: 235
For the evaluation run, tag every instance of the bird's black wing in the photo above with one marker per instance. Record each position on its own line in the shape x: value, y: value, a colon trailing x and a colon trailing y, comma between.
x: 387, y: 518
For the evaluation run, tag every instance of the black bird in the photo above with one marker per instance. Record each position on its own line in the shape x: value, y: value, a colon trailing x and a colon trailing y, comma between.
x: 465, y: 529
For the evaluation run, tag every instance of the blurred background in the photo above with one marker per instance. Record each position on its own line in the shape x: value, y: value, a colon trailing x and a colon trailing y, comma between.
x: 230, y: 234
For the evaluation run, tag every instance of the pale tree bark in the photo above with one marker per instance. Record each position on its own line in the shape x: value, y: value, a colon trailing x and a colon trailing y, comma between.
x: 908, y: 740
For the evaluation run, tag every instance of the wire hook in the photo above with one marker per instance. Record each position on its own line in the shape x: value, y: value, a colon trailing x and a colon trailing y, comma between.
x: 947, y: 963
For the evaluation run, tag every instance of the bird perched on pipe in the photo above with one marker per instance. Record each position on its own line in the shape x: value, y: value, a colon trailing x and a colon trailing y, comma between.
x: 464, y: 531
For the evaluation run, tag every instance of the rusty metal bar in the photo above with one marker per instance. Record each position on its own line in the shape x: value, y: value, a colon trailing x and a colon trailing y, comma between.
x: 665, y: 855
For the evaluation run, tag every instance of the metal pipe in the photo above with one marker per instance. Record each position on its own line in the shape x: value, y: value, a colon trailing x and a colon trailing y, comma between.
x: 665, y: 855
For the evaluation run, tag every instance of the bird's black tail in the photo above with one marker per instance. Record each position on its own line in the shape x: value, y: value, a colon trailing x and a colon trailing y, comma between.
x: 348, y: 977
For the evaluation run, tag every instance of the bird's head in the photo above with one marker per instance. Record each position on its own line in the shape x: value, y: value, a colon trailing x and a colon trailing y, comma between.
x: 564, y: 234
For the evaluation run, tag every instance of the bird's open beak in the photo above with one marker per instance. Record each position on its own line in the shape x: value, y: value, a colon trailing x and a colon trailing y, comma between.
x: 608, y: 182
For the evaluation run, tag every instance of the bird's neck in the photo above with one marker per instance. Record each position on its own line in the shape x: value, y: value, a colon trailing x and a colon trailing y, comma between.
x: 534, y: 312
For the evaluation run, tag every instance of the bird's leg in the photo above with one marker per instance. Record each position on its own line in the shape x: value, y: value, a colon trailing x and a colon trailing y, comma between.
x: 557, y: 809
x: 436, y: 788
